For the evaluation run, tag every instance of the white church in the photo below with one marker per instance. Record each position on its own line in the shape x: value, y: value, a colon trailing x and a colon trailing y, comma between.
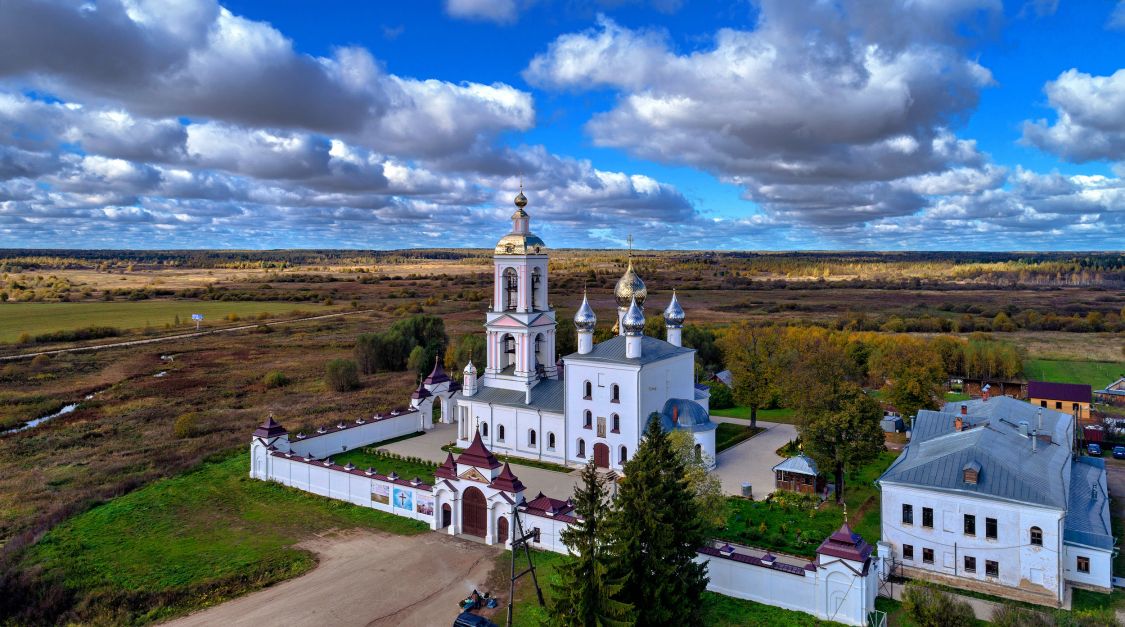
x: 593, y: 403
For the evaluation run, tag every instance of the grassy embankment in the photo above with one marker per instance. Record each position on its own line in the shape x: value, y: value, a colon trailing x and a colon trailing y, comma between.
x: 406, y: 468
x: 728, y: 435
x: 718, y: 610
x: 192, y: 541
x: 1097, y: 374
x: 39, y: 318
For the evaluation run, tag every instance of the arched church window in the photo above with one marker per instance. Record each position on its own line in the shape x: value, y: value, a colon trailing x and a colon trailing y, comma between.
x: 615, y: 396
x: 511, y: 289
x: 624, y: 455
x: 581, y: 447
x: 588, y: 420
x: 531, y: 437
x: 550, y: 441
x: 587, y: 390
x: 509, y: 344
x: 616, y: 423
x: 500, y: 433
x: 1036, y: 536
x: 698, y: 452
x: 484, y: 429
x: 536, y: 280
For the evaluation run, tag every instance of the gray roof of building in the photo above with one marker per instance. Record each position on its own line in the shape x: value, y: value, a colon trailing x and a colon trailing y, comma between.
x: 1087, y: 519
x: 802, y: 464
x: 937, y: 454
x: 547, y: 395
x: 613, y: 351
x: 689, y: 416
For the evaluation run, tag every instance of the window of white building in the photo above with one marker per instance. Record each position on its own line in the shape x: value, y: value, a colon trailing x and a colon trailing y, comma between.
x: 581, y: 447
x: 1036, y: 536
x: 970, y: 564
x: 550, y: 441
x: 500, y: 433
x: 531, y: 437
x: 484, y: 429
x: 970, y: 525
x: 615, y: 394
x: 991, y: 568
x: 908, y: 552
x: 624, y: 455
x: 990, y: 528
x: 587, y: 390
x: 907, y: 514
x: 1083, y: 564
x: 928, y: 517
x: 616, y: 423
x: 927, y: 556
x: 588, y: 420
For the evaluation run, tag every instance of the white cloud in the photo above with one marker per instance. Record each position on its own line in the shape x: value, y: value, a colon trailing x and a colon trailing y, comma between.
x: 1090, y: 117
x: 499, y: 11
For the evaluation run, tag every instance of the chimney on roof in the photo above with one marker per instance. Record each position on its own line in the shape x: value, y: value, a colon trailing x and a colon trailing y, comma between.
x: 985, y: 391
x: 1025, y: 427
x: 1034, y: 441
x: 964, y: 410
x: 1040, y: 414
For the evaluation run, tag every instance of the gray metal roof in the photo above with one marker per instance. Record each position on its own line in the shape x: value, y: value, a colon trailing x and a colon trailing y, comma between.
x: 689, y: 416
x: 801, y: 464
x: 547, y: 395
x: 1009, y: 469
x: 613, y: 351
x: 1087, y: 519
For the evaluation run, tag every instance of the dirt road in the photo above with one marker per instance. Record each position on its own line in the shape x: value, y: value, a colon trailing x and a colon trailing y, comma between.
x: 366, y: 578
x: 178, y: 336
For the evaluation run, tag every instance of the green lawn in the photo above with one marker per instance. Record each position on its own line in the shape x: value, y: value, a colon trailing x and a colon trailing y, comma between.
x: 718, y: 610
x: 1096, y: 373
x: 790, y: 524
x: 37, y: 318
x: 769, y: 415
x: 366, y: 457
x: 191, y: 541
x: 728, y: 434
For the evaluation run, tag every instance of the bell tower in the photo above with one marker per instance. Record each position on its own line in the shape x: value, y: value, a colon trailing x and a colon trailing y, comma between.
x: 520, y: 323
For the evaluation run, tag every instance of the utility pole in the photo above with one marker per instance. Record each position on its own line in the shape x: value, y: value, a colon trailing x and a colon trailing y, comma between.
x: 523, y: 540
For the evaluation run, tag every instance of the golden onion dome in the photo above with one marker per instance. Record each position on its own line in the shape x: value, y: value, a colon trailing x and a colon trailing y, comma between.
x: 520, y: 244
x: 629, y: 286
x: 521, y: 200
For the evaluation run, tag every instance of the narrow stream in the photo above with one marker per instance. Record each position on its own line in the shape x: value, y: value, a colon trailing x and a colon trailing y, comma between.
x: 65, y: 410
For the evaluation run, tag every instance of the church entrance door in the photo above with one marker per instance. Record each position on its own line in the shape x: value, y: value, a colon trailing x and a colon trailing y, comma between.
x: 474, y: 513
x: 502, y: 530
x: 601, y: 455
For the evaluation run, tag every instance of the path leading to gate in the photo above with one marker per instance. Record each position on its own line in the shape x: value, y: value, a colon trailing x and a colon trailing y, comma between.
x: 367, y: 578
x: 751, y: 461
x: 554, y: 484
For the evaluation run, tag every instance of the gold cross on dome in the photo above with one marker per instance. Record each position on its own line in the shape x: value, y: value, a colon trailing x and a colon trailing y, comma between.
x: 630, y: 240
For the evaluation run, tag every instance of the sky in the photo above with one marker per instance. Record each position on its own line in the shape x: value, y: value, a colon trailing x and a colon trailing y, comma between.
x: 764, y: 125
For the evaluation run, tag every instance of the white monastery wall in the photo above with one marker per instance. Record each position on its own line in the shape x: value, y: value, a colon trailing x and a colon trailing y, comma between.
x: 1101, y: 566
x: 336, y: 440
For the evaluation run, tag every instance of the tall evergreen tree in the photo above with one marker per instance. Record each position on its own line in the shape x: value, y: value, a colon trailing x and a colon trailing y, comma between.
x: 584, y: 596
x: 657, y: 528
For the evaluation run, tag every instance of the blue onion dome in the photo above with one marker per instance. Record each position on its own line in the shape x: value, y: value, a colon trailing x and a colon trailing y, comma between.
x: 584, y: 319
x: 634, y: 321
x: 674, y: 314
x: 630, y: 286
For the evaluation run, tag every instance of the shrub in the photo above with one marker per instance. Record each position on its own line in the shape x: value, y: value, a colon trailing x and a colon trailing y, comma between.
x: 40, y: 362
x: 275, y: 379
x: 721, y: 396
x: 1015, y: 616
x: 930, y: 607
x: 186, y: 425
x: 341, y: 375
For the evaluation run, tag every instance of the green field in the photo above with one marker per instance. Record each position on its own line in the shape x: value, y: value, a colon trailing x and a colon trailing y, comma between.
x: 37, y: 318
x: 787, y: 416
x: 193, y: 540
x: 1096, y: 373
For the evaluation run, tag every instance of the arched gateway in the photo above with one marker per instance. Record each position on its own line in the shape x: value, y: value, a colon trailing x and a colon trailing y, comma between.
x: 474, y: 513
x: 601, y: 455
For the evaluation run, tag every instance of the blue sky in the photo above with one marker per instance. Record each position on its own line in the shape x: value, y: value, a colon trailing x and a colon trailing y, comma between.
x: 952, y: 124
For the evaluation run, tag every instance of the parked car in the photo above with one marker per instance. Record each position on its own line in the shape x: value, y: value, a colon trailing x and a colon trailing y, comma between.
x: 468, y: 619
x: 1119, y: 452
x: 1094, y: 448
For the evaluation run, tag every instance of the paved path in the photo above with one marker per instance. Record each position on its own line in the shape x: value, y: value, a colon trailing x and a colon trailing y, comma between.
x: 367, y: 578
x: 179, y: 336
x: 751, y: 461
x: 554, y: 484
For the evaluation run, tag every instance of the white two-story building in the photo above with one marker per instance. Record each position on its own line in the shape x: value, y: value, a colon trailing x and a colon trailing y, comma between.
x: 989, y: 496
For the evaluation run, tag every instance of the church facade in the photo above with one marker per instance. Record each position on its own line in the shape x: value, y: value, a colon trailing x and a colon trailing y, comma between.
x: 592, y: 404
